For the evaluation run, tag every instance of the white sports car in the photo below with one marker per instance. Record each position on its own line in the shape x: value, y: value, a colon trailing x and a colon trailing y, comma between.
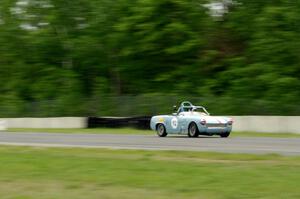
x: 191, y: 120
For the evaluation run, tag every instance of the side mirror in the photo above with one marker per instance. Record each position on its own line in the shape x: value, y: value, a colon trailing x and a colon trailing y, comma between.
x: 175, y: 108
x: 175, y: 114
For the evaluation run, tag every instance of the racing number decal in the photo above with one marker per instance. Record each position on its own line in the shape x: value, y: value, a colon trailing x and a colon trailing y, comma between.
x: 174, y: 122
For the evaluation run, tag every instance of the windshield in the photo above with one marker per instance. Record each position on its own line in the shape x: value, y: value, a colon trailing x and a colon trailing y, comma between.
x: 194, y: 110
x: 200, y: 111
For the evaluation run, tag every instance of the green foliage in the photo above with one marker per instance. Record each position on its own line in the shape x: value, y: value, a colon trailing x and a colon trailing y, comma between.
x: 43, y: 173
x: 123, y: 57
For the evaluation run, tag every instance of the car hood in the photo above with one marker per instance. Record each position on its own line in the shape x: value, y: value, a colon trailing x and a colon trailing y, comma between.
x: 216, y: 119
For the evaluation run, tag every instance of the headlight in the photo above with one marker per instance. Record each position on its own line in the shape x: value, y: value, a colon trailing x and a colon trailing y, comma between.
x: 230, y: 122
x: 202, y: 121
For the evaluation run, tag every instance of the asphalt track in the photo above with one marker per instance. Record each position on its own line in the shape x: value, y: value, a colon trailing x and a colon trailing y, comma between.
x: 255, y: 145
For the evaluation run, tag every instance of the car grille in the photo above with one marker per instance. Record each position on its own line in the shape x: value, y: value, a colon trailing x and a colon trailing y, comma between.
x: 216, y: 125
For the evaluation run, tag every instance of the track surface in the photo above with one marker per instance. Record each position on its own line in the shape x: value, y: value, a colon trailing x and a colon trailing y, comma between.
x: 284, y: 146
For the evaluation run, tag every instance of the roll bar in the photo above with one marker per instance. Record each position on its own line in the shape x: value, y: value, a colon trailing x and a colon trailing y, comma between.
x: 189, y: 105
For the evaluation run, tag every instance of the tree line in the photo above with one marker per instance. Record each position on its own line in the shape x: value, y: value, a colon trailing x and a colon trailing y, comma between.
x: 99, y: 57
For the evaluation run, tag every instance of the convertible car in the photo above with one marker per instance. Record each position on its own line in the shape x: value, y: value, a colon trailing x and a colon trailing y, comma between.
x: 191, y: 120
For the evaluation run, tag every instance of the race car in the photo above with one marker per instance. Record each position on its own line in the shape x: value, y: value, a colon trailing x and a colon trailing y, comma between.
x: 191, y: 120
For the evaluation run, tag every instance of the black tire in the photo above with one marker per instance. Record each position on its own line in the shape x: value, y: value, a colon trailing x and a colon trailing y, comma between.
x: 225, y: 135
x: 193, y: 130
x: 161, y: 130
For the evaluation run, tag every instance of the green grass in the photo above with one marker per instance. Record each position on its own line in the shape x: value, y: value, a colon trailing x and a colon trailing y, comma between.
x: 46, y: 173
x: 141, y: 132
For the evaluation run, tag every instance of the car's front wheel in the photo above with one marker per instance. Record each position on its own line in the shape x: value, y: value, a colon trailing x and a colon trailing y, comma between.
x: 161, y: 130
x: 225, y: 135
x: 193, y: 130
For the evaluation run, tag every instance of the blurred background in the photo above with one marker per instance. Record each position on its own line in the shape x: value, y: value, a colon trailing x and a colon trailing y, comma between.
x: 139, y: 57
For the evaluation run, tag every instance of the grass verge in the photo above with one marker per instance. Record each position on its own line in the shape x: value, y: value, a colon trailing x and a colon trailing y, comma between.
x: 44, y: 173
x: 142, y: 132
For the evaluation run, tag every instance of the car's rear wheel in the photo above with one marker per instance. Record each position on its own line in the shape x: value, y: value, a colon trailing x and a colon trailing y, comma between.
x: 193, y: 130
x: 161, y: 130
x: 225, y: 135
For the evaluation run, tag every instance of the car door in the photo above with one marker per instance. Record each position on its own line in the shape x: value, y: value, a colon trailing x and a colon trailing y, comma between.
x: 174, y: 124
x: 182, y: 122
